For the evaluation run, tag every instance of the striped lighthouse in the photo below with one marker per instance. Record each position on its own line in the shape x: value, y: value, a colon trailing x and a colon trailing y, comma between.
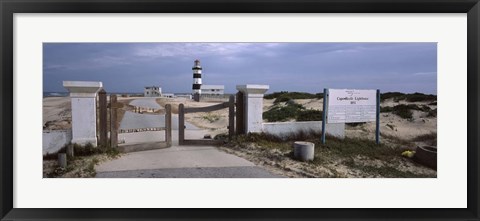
x: 197, y: 77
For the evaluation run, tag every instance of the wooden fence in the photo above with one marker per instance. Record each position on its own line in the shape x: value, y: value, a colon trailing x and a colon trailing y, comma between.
x: 181, y: 121
x: 114, y: 130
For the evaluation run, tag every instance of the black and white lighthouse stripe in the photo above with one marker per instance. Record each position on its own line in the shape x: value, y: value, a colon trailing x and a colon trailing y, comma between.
x: 197, y: 77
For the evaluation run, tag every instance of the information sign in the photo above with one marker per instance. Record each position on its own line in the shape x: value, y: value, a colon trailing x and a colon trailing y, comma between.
x: 351, y: 106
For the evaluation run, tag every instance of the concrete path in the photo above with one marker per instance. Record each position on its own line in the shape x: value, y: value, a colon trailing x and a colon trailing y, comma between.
x: 176, y: 161
x: 133, y: 120
x: 197, y: 172
x: 181, y: 161
x: 158, y: 136
x: 148, y: 102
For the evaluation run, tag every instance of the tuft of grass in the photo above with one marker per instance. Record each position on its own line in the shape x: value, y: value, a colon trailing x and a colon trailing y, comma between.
x: 260, y: 139
x: 91, y: 167
x: 347, y: 147
x: 84, y: 160
x: 211, y: 117
x: 356, y: 124
x: 358, y: 155
x: 59, y: 171
x: 351, y: 147
x: 54, y: 155
x: 384, y: 171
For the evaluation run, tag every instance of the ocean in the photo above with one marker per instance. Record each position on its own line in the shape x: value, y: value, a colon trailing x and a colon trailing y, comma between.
x: 55, y: 94
x: 66, y: 94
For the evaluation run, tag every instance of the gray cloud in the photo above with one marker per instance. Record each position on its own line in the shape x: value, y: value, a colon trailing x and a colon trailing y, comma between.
x: 310, y: 67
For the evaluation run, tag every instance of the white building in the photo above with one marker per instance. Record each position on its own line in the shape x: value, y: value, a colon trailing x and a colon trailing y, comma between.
x: 212, y: 89
x: 153, y: 91
x: 186, y: 96
x: 168, y: 95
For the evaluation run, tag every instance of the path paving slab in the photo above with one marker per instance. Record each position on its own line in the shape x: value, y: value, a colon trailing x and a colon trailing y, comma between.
x: 133, y: 120
x: 146, y: 103
x: 197, y: 172
x: 174, y: 157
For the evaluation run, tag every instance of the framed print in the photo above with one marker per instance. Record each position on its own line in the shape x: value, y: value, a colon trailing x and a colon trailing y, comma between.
x: 239, y: 110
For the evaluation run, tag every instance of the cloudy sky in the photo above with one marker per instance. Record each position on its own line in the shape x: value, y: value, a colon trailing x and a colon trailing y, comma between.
x: 306, y: 67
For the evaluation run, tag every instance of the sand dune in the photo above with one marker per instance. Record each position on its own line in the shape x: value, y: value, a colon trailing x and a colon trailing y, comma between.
x: 57, y: 115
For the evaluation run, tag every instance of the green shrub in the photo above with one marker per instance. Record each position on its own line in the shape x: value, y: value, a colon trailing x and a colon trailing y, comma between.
x: 310, y: 115
x: 386, y: 109
x: 86, y: 150
x: 403, y: 111
x: 319, y: 95
x: 282, y: 99
x: 415, y: 97
x: 432, y: 113
x: 274, y: 95
x: 286, y: 96
x: 389, y: 95
x: 291, y: 111
x: 278, y: 113
x: 283, y: 113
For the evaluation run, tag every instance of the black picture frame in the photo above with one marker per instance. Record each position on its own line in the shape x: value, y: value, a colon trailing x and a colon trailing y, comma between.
x: 10, y: 7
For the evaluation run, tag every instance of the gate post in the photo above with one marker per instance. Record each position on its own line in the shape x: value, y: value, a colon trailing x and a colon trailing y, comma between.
x: 253, y: 106
x: 113, y: 121
x: 239, y: 113
x: 84, y: 110
x: 231, y: 113
x: 102, y: 121
x: 168, y: 125
x: 181, y: 124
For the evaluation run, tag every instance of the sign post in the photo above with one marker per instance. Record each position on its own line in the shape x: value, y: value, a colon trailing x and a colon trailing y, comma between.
x: 324, y: 114
x: 377, y: 131
x: 351, y: 106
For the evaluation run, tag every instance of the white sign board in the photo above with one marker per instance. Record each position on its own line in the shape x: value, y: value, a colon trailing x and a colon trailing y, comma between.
x: 351, y: 106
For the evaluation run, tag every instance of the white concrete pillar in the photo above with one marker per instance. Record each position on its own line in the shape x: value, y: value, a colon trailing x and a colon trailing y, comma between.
x: 84, y: 110
x: 253, y: 106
